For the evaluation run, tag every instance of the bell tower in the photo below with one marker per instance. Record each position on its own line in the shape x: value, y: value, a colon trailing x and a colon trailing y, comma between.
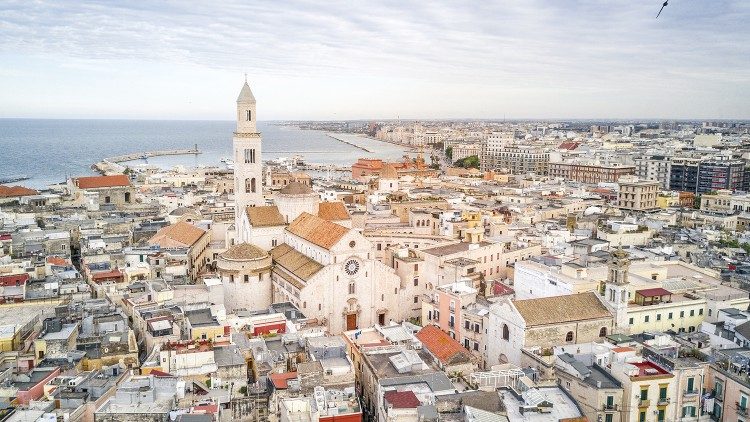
x: 616, y: 290
x: 248, y: 167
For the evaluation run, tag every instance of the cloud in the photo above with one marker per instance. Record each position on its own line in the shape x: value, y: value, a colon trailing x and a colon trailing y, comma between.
x: 566, y: 52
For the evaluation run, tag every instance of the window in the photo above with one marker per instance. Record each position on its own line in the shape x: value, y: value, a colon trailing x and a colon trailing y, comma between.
x: 247, y: 278
x: 658, y: 317
x: 249, y: 115
x: 603, y: 332
x: 466, y: 343
x: 506, y: 332
x: 682, y: 314
x: 692, y: 312
x: 660, y: 415
x: 416, y: 282
x: 630, y: 321
x: 274, y: 243
x: 644, y: 394
x: 642, y: 417
x: 690, y: 384
x: 646, y: 318
x: 662, y: 393
x: 688, y: 412
x: 608, y: 417
x: 569, y: 337
x: 107, y: 200
x: 416, y: 299
x: 231, y: 278
x: 669, y: 316
x: 351, y: 288
x: 700, y: 311
x: 467, y: 324
x: 127, y: 196
x: 476, y: 346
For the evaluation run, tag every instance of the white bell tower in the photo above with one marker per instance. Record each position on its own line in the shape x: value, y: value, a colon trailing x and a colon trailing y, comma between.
x: 248, y: 167
x: 616, y: 289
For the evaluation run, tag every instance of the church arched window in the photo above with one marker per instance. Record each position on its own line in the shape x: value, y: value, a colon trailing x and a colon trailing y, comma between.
x: 250, y: 185
x: 249, y: 115
x: 603, y: 332
x: 569, y: 337
x: 506, y: 332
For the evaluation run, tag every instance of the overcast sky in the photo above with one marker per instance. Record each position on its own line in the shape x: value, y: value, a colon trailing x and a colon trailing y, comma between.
x: 346, y: 60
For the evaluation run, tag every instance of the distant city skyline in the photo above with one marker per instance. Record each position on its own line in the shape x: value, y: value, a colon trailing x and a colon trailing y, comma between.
x: 518, y: 59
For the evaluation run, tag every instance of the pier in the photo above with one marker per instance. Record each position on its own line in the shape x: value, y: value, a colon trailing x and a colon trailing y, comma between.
x: 111, y: 165
x: 148, y: 154
x: 348, y: 143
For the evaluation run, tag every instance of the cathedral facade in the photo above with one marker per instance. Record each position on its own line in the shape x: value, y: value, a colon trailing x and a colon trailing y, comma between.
x: 318, y: 263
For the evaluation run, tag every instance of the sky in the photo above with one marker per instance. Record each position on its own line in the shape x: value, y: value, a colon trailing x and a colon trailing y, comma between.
x: 335, y: 60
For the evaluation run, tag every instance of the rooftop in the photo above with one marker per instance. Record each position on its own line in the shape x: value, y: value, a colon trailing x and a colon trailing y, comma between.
x: 265, y: 216
x: 564, y: 308
x: 316, y: 230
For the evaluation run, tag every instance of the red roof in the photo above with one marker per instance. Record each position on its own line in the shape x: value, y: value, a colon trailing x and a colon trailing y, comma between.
x: 623, y: 349
x: 500, y: 289
x: 94, y: 182
x: 12, y: 279
x: 440, y: 344
x: 160, y: 374
x: 281, y: 381
x: 570, y: 146
x: 56, y: 260
x: 13, y: 191
x: 656, y: 291
x: 647, y: 368
x: 106, y: 275
x: 401, y: 399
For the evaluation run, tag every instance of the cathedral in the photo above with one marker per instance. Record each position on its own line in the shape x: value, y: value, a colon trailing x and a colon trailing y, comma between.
x: 295, y: 248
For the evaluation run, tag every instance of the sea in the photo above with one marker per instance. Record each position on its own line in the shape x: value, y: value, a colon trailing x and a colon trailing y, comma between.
x: 49, y: 151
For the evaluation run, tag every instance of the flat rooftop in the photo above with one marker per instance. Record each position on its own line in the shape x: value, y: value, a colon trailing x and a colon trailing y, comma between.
x: 562, y: 407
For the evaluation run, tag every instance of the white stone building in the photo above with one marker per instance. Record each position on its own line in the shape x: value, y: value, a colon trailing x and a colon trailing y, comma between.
x: 248, y: 167
x: 331, y: 273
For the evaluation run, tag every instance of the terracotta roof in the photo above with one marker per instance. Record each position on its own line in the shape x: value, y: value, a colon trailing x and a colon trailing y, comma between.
x: 296, y: 188
x: 565, y: 308
x: 281, y: 381
x: 442, y: 346
x: 265, y: 216
x: 177, y: 235
x: 56, y: 260
x: 656, y: 291
x: 14, y: 191
x: 295, y: 262
x: 623, y: 349
x: 401, y: 399
x: 333, y: 211
x: 317, y: 230
x: 244, y: 251
x: 95, y: 182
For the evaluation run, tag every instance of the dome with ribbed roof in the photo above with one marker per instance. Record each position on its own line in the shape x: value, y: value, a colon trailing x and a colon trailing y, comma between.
x: 246, y: 95
x: 296, y: 188
x: 244, y: 252
x: 389, y: 172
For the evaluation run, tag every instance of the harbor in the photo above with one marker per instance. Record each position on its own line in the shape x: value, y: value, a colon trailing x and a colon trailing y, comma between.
x: 349, y: 143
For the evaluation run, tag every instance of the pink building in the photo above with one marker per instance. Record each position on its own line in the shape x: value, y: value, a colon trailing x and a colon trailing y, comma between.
x: 34, y: 388
x: 444, y: 307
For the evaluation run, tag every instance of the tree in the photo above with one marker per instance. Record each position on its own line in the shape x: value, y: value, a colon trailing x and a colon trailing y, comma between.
x: 449, y: 153
x: 468, y: 162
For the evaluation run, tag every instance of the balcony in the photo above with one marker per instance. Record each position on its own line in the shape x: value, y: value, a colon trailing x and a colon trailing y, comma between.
x: 742, y: 411
x: 609, y: 407
x: 644, y: 403
x: 692, y: 392
x: 663, y: 401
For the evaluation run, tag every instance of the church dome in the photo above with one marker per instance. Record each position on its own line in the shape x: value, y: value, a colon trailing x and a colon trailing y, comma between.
x: 296, y: 188
x: 246, y: 95
x: 244, y: 252
x: 389, y: 172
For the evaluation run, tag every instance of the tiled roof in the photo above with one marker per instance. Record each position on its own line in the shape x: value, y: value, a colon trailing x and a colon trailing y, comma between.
x: 655, y: 291
x: 95, y: 182
x: 177, y: 235
x: 565, y: 308
x: 14, y: 191
x: 333, y: 211
x: 281, y: 381
x: 243, y: 251
x: 296, y: 188
x: 441, y: 345
x: 295, y: 262
x: 317, y: 230
x: 388, y: 172
x: 401, y: 399
x: 265, y: 216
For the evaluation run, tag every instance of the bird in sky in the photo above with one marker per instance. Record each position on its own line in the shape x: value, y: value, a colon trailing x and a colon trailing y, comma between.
x: 666, y: 3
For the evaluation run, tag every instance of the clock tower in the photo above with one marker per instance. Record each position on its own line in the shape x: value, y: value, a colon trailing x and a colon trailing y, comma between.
x: 248, y: 167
